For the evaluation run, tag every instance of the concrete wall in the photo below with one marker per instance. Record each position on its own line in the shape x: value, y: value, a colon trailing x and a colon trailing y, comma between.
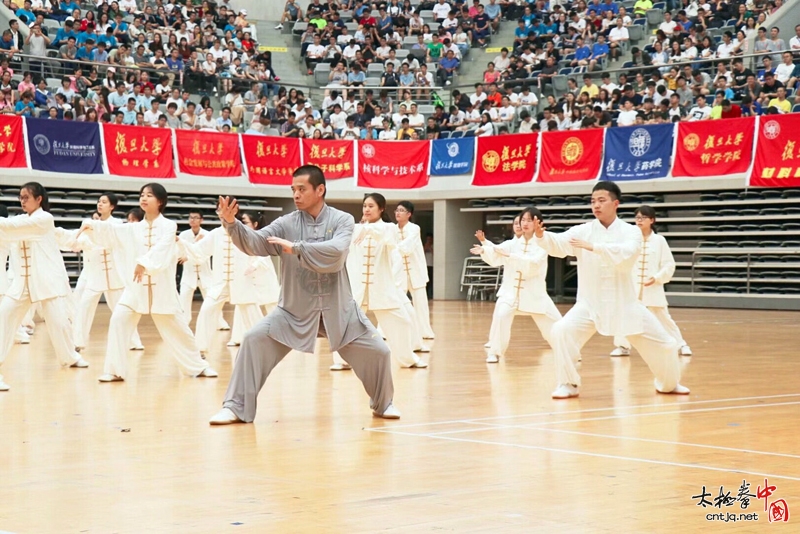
x: 453, y: 236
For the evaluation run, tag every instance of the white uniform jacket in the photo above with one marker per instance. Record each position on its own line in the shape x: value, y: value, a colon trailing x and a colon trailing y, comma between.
x: 524, y: 284
x: 268, y: 289
x: 35, y: 256
x: 655, y: 261
x: 195, y: 273
x: 410, y: 269
x: 99, y: 269
x: 369, y: 266
x: 151, y: 245
x: 605, y: 275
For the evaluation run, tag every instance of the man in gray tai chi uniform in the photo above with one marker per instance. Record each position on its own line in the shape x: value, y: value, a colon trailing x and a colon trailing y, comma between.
x: 313, y: 243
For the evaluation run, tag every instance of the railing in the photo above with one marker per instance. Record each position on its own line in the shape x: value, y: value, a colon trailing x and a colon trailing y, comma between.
x: 748, y: 252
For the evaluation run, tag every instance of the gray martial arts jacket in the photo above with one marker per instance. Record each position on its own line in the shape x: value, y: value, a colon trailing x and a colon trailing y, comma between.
x: 314, y: 282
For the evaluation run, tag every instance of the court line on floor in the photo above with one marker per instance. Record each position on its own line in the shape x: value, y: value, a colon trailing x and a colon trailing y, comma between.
x: 606, y: 418
x: 648, y: 440
x: 588, y: 410
x: 596, y: 455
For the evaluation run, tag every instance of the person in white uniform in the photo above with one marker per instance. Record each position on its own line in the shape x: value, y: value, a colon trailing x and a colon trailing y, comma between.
x: 266, y: 279
x: 369, y: 267
x: 524, y: 287
x: 39, y: 277
x: 99, y: 276
x: 6, y: 275
x: 652, y: 271
x: 413, y: 273
x: 606, y: 250
x: 195, y: 275
x: 146, y: 255
x: 517, y: 229
x: 232, y: 281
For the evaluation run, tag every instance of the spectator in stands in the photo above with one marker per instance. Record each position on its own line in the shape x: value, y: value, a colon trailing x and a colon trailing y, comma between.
x: 780, y: 102
x: 291, y: 13
x: 482, y: 28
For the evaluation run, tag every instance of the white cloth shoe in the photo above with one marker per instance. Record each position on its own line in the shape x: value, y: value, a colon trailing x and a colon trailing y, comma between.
x: 419, y: 365
x: 137, y: 347
x: 492, y: 358
x: 3, y: 386
x: 429, y: 336
x: 80, y: 363
x: 565, y: 391
x: 685, y: 351
x: 487, y: 345
x: 232, y: 344
x: 28, y: 329
x: 208, y: 372
x: 679, y: 390
x: 279, y: 27
x: 224, y: 417
x: 423, y: 348
x: 110, y: 378
x: 621, y: 351
x: 22, y: 337
x: 340, y: 367
x: 389, y: 413
x: 224, y: 326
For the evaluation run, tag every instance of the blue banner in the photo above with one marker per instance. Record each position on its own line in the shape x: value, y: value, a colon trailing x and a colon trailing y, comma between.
x: 638, y: 152
x: 452, y: 156
x: 64, y: 146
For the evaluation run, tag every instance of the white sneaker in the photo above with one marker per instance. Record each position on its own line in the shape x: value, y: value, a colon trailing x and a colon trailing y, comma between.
x: 3, y: 386
x: 208, y: 372
x: 21, y: 338
x: 423, y: 348
x: 81, y: 363
x: 565, y: 391
x: 389, y: 413
x: 111, y: 378
x: 492, y: 358
x: 621, y: 351
x: 686, y: 351
x: 279, y: 27
x: 419, y: 365
x: 340, y: 367
x: 224, y: 417
x: 28, y: 330
x: 137, y: 347
x: 429, y: 336
x: 679, y: 390
x: 232, y: 344
x: 224, y: 326
x: 487, y: 345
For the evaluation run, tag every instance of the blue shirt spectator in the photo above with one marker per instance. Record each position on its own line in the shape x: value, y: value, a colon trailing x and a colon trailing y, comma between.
x: 63, y: 34
x: 584, y: 52
x: 109, y: 40
x: 599, y: 49
x: 24, y: 109
x: 84, y: 54
x: 128, y: 116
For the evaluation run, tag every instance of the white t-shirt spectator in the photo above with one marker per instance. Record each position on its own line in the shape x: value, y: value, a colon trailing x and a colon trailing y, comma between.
x: 626, y: 118
x: 783, y: 72
x: 151, y: 118
x: 699, y: 114
x: 440, y: 11
x: 387, y: 135
x: 339, y: 120
x: 204, y: 123
x: 416, y: 120
x: 506, y: 114
x: 617, y: 34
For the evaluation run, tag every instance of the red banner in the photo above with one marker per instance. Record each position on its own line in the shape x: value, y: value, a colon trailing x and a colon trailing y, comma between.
x: 271, y: 160
x: 505, y: 159
x: 777, y: 162
x: 208, y: 153
x: 138, y: 151
x: 335, y: 158
x: 393, y: 164
x: 12, y: 142
x: 714, y: 149
x: 571, y: 155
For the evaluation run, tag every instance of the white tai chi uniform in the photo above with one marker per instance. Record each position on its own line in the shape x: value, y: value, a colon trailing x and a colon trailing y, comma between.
x: 39, y: 277
x: 5, y: 280
x: 99, y: 275
x: 151, y: 245
x: 655, y: 261
x: 522, y: 292
x: 412, y: 274
x: 266, y: 281
x: 369, y: 267
x: 232, y: 280
x: 607, y: 303
x: 195, y: 276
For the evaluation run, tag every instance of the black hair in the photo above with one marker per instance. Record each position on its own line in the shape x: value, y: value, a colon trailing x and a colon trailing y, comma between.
x: 407, y: 205
x: 3, y: 210
x: 380, y: 200
x: 255, y: 217
x: 112, y: 198
x: 533, y: 212
x: 315, y: 176
x: 137, y: 213
x: 612, y: 188
x: 37, y: 190
x: 650, y: 213
x: 197, y: 211
x: 159, y: 192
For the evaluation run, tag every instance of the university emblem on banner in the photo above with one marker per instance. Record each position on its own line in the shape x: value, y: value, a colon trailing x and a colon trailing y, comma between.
x: 490, y: 161
x: 772, y: 130
x: 571, y: 151
x: 639, y: 142
x: 452, y: 150
x: 367, y: 150
x: 42, y: 144
x: 691, y: 142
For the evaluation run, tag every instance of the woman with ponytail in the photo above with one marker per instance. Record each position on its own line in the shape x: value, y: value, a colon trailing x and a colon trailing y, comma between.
x: 39, y: 277
x: 654, y: 268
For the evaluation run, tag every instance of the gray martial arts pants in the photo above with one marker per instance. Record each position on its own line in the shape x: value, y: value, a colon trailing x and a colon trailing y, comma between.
x: 368, y: 355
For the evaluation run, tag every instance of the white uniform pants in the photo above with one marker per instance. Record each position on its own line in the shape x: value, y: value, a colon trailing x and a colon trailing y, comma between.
x: 663, y: 316
x: 658, y: 349
x: 422, y: 313
x: 56, y: 317
x: 245, y: 317
x: 396, y: 324
x: 173, y: 329
x: 503, y: 318
x: 187, y: 296
x: 210, y: 313
x: 87, y: 307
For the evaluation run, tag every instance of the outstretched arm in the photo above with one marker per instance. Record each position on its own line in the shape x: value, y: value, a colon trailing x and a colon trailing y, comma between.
x: 327, y: 256
x: 249, y: 241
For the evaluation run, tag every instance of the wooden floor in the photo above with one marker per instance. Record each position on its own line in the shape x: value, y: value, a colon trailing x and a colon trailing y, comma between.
x: 480, y: 448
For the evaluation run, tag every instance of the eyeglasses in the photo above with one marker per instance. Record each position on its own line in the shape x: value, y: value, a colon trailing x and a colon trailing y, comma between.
x: 24, y: 198
x: 401, y: 210
x: 639, y: 218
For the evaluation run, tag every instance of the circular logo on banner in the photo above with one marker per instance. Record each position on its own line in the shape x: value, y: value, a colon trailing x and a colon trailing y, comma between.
x: 367, y: 150
x: 772, y: 129
x: 490, y: 161
x: 571, y: 151
x: 691, y: 142
x: 452, y: 149
x: 42, y: 144
x: 639, y: 142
